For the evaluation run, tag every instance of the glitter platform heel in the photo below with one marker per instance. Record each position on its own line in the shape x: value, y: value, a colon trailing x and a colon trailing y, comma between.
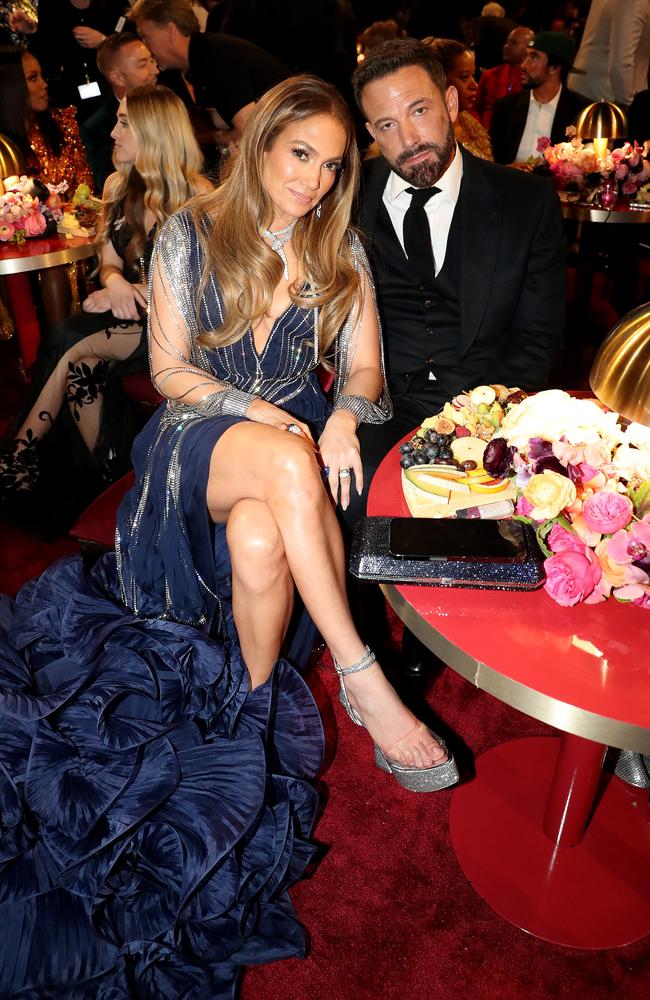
x: 414, y: 779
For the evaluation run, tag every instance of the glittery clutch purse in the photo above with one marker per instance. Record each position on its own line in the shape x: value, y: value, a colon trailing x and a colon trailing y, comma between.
x: 488, y: 555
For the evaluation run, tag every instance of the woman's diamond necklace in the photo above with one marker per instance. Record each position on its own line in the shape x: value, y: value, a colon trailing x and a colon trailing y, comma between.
x: 278, y: 241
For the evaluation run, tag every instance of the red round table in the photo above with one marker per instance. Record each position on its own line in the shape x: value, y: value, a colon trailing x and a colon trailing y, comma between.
x: 553, y: 844
x: 35, y: 255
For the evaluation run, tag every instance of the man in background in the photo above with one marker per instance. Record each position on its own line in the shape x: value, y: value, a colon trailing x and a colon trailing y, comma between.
x: 225, y: 75
x: 544, y: 108
x: 125, y: 63
x: 504, y: 79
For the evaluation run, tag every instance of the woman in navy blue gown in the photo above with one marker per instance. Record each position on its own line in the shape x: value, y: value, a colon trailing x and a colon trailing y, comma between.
x: 156, y: 740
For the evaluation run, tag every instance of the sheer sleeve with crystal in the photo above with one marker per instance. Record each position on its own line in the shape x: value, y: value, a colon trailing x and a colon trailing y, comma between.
x: 178, y: 365
x: 365, y: 410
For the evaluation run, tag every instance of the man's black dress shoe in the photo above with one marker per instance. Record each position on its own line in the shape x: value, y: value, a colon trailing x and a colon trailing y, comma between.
x: 417, y: 661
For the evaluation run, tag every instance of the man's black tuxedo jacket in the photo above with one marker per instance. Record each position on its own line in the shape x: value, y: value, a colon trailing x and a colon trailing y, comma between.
x: 513, y: 271
x: 509, y: 121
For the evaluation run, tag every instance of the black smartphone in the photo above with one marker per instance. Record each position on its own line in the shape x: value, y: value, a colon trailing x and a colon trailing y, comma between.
x: 449, y: 539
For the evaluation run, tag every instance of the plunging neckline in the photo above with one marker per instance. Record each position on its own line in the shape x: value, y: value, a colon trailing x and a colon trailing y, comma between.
x: 259, y: 353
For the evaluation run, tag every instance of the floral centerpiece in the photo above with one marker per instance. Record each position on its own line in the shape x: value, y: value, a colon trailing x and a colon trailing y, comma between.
x: 575, y: 166
x: 583, y: 481
x: 28, y: 208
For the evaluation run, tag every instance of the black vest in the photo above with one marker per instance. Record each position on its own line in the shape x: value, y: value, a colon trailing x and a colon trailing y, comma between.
x: 421, y: 321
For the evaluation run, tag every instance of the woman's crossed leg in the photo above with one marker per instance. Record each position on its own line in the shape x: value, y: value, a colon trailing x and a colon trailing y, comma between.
x: 266, y: 486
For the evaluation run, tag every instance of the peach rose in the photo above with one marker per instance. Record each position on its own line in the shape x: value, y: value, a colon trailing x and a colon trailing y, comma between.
x: 549, y: 493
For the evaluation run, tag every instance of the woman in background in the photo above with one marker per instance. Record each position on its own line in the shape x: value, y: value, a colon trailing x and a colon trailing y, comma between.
x: 48, y: 138
x: 77, y: 414
x: 459, y: 65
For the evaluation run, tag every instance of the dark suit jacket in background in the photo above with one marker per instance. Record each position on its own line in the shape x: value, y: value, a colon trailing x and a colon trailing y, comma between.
x: 513, y: 272
x: 509, y: 121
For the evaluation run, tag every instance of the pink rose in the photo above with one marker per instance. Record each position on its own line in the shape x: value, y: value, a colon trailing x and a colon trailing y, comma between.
x: 629, y: 187
x: 607, y: 512
x: 34, y: 225
x: 6, y: 231
x: 571, y: 576
x: 53, y: 202
x: 559, y: 539
x: 621, y: 172
x: 543, y: 143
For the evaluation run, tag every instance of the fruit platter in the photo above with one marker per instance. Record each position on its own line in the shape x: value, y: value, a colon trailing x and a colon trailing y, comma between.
x: 81, y: 215
x: 448, y: 466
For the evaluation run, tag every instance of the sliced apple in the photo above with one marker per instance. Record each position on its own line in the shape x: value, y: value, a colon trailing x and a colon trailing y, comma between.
x: 468, y: 449
x: 482, y: 394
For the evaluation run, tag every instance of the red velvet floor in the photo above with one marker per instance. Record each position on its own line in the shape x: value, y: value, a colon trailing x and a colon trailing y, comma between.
x: 390, y: 914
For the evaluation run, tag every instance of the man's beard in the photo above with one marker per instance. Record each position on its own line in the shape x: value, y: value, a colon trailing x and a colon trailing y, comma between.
x: 427, y: 172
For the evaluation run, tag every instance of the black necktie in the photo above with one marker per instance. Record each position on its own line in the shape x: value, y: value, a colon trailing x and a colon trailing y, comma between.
x: 417, y: 235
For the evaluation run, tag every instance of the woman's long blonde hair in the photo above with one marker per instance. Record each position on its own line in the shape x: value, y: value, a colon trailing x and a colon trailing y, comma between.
x: 163, y: 177
x: 248, y: 270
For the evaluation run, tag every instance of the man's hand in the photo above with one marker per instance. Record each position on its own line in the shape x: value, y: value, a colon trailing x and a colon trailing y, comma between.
x: 88, y: 38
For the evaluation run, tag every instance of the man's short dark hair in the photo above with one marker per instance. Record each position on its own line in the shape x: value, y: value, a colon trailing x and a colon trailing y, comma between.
x: 110, y: 48
x: 393, y: 55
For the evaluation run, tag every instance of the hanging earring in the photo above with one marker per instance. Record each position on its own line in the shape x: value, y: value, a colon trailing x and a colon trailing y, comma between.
x: 318, y: 210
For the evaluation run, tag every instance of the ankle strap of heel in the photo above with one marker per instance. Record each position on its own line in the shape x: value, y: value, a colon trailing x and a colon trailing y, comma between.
x: 366, y: 661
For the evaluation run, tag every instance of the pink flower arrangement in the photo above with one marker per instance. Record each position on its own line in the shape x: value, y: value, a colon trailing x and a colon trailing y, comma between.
x: 590, y: 510
x: 575, y: 165
x: 25, y: 215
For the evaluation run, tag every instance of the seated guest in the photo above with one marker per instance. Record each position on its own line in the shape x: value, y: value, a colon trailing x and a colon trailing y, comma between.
x: 450, y: 321
x: 48, y: 138
x: 499, y: 81
x: 544, y: 108
x: 125, y: 62
x: 50, y: 148
x: 227, y: 75
x: 458, y: 63
x: 468, y: 257
x: 76, y: 413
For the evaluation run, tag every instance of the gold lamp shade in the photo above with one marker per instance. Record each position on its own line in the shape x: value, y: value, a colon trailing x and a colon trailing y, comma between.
x: 620, y: 374
x: 602, y: 120
x: 11, y: 161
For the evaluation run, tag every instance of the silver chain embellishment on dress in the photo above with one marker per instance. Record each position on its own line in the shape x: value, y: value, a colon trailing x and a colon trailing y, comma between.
x: 279, y: 240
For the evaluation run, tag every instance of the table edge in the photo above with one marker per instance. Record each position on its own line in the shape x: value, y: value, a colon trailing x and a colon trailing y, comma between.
x: 20, y: 265
x: 559, y: 714
x: 594, y: 213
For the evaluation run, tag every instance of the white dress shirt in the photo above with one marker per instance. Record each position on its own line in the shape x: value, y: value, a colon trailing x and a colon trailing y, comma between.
x: 439, y: 208
x: 539, y: 123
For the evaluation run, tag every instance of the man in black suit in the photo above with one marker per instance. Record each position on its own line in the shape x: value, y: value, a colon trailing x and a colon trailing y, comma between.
x: 544, y: 108
x: 468, y: 257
